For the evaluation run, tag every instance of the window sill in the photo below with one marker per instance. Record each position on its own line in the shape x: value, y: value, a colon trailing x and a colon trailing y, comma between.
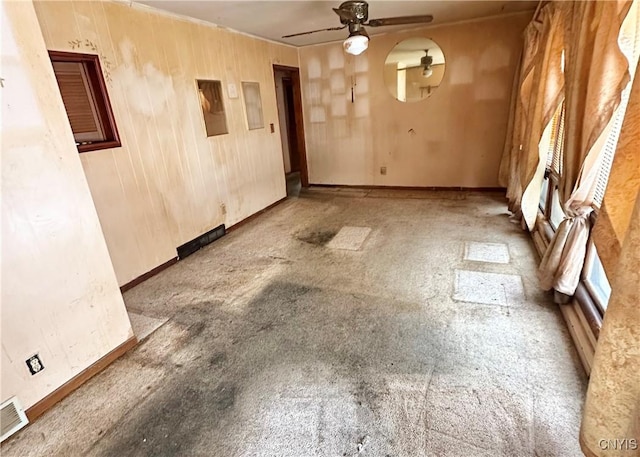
x: 595, y: 296
x: 98, y: 146
x: 589, y: 308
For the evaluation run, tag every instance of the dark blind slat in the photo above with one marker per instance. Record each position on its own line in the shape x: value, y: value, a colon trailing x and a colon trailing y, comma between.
x: 556, y: 161
x: 77, y: 99
x: 554, y: 134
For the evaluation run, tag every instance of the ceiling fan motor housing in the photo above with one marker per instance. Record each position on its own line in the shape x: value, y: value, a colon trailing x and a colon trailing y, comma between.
x: 359, y: 12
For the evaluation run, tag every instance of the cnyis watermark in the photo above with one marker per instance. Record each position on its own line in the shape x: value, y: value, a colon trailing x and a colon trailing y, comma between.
x: 619, y: 444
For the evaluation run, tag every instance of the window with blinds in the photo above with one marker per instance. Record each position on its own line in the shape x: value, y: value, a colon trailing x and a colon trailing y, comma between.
x: 85, y: 100
x: 556, y: 143
x: 610, y: 149
x: 629, y: 42
x: 555, y: 161
x: 79, y: 101
x: 552, y: 141
x: 549, y: 202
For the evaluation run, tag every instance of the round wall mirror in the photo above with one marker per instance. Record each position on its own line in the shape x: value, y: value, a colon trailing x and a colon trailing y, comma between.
x: 413, y: 69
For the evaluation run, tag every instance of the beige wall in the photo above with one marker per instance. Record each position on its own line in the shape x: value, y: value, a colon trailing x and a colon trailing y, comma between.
x: 454, y: 138
x: 169, y: 183
x: 60, y: 297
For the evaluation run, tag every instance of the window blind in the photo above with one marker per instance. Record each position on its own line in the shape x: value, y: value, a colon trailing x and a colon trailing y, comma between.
x: 558, y: 147
x: 78, y: 101
x: 552, y: 142
x: 629, y: 42
x: 610, y: 148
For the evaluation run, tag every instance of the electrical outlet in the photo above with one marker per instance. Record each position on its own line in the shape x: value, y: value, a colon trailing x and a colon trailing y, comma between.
x: 383, y: 170
x: 35, y: 364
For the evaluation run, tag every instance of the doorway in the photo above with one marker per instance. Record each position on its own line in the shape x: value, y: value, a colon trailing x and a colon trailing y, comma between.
x: 289, y: 100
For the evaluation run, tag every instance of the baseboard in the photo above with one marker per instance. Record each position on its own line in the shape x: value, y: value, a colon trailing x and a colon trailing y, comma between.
x: 237, y: 225
x: 167, y: 264
x: 61, y: 392
x: 147, y: 275
x: 578, y: 334
x: 580, y: 315
x: 539, y: 243
x: 430, y: 188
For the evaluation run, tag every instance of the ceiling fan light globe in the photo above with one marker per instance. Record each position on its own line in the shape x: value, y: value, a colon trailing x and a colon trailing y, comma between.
x: 427, y: 72
x: 356, y: 44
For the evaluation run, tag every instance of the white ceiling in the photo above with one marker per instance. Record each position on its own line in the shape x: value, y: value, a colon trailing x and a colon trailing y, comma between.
x: 273, y: 19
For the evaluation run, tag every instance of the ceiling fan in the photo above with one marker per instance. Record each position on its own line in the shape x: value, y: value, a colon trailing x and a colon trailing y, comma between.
x: 354, y: 14
x: 425, y: 63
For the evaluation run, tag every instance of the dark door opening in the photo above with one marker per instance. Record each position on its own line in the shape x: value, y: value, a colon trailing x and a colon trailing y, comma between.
x: 289, y: 99
x: 294, y: 155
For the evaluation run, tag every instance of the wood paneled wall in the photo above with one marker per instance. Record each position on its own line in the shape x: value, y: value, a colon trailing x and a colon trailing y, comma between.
x: 169, y: 183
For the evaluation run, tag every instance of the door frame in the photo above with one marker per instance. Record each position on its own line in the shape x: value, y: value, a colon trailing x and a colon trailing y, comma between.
x: 297, y: 108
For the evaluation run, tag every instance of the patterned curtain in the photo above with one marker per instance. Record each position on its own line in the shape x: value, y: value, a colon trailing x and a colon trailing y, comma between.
x: 612, y: 408
x: 539, y: 91
x: 596, y: 72
x: 624, y: 180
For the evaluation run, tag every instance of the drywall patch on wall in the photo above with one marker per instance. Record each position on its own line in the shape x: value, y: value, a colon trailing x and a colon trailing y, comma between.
x: 314, y: 69
x: 495, y: 57
x: 493, y: 61
x: 336, y: 59
x: 461, y: 68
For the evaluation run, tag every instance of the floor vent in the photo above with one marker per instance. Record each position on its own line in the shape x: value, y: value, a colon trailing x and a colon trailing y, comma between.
x: 192, y: 246
x: 12, y: 418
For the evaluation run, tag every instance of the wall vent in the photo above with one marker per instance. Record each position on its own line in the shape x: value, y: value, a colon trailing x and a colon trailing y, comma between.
x: 192, y: 246
x: 12, y: 417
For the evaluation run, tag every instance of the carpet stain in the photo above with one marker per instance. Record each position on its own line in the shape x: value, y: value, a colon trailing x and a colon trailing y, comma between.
x: 317, y: 237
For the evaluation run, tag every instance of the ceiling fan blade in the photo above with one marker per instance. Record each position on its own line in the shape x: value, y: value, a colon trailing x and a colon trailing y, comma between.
x: 402, y: 20
x: 314, y: 31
